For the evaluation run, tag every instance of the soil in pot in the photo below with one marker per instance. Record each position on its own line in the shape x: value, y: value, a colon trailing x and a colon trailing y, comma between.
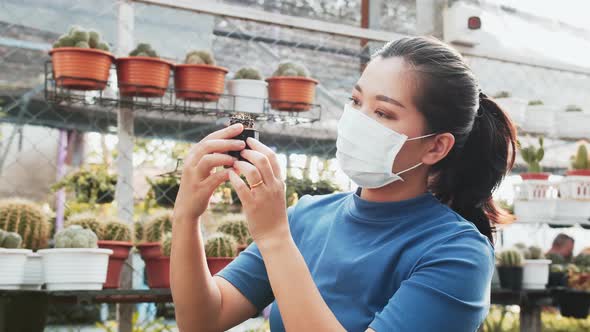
x: 81, y: 68
x: 141, y: 76
x: 157, y: 266
x: 199, y: 82
x: 248, y: 132
x: 574, y: 303
x: 166, y: 195
x: 510, y: 277
x: 116, y: 260
x: 217, y: 264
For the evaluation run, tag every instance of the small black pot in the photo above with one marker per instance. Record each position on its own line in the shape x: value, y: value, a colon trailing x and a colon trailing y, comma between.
x: 166, y: 195
x: 248, y: 132
x: 574, y: 303
x: 510, y: 277
x: 103, y: 197
x: 557, y: 279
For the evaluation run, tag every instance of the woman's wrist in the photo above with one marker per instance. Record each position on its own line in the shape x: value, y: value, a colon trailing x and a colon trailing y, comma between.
x: 272, y: 242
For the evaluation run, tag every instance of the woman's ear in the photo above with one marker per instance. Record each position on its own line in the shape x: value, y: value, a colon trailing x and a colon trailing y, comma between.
x: 439, y: 147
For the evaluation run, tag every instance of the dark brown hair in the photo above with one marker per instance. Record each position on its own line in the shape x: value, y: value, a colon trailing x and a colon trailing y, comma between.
x: 448, y: 95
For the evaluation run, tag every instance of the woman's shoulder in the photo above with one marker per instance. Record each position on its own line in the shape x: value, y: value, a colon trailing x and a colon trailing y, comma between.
x: 315, y: 205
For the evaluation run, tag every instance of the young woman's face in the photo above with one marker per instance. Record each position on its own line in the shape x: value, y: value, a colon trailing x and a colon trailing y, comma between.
x: 385, y: 93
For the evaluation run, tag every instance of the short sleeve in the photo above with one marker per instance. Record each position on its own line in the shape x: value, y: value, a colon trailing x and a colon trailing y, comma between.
x: 247, y: 273
x: 448, y: 290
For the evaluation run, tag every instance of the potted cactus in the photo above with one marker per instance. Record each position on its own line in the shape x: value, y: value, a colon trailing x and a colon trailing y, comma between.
x: 557, y: 270
x: 165, y: 189
x: 249, y: 90
x: 515, y: 107
x: 87, y: 220
x: 580, y: 163
x: 510, y: 269
x: 239, y: 230
x: 290, y: 88
x: 573, y: 122
x: 574, y: 301
x: 150, y: 249
x: 221, y: 249
x: 27, y: 219
x: 248, y: 122
x: 116, y: 236
x: 12, y: 259
x: 76, y: 262
x: 93, y: 184
x: 533, y: 157
x: 540, y: 118
x: 143, y: 73
x: 81, y: 60
x: 535, y: 273
x: 199, y: 78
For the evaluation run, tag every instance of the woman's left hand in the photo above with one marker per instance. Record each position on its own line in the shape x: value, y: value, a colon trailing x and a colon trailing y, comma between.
x: 263, y: 200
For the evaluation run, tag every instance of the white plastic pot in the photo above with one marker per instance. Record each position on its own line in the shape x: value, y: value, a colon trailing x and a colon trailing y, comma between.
x: 572, y: 124
x: 535, y: 201
x: 535, y: 273
x: 540, y: 119
x: 75, y: 268
x: 33, y: 278
x: 249, y: 95
x: 12, y: 267
x: 515, y: 107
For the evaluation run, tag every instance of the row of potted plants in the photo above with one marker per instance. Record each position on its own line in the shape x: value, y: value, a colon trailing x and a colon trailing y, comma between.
x: 534, y: 116
x: 81, y: 61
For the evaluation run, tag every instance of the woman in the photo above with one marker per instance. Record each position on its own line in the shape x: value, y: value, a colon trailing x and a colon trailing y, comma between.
x: 411, y: 250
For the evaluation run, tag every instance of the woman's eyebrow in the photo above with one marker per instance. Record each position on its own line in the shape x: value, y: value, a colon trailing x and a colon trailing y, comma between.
x: 389, y: 100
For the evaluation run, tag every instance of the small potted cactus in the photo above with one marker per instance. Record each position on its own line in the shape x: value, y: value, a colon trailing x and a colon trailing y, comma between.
x: 580, y: 163
x: 248, y: 122
x: 535, y: 273
x: 574, y: 301
x: 115, y: 235
x: 515, y: 107
x: 533, y: 157
x: 27, y: 219
x: 510, y: 269
x: 143, y: 73
x: 81, y: 60
x: 290, y: 88
x: 12, y: 259
x: 165, y: 189
x: 249, y: 90
x: 87, y: 220
x: 239, y: 230
x: 150, y: 249
x: 76, y: 262
x: 199, y: 79
x: 221, y: 249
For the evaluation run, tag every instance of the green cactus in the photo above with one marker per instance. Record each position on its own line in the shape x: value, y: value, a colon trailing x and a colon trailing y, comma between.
x: 534, y: 252
x: 93, y: 38
x: 27, y: 219
x: 503, y: 94
x: 557, y: 268
x: 535, y: 103
x: 159, y: 225
x: 580, y: 160
x: 199, y: 58
x: 82, y: 44
x: 510, y: 258
x: 10, y: 240
x: 238, y: 229
x: 75, y: 236
x: 144, y: 49
x: 533, y: 156
x: 247, y: 73
x: 78, y: 37
x: 221, y: 245
x: 103, y: 46
x: 86, y: 220
x: 556, y: 258
x: 138, y: 231
x: 291, y: 69
x: 573, y: 108
x: 582, y: 261
x: 167, y: 244
x: 115, y: 230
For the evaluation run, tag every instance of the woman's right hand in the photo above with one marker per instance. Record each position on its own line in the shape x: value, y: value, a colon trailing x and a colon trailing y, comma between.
x: 198, y: 181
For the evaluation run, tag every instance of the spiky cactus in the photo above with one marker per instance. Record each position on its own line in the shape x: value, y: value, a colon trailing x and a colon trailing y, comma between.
x: 27, y: 219
x: 138, y: 231
x: 510, y: 258
x: 199, y: 58
x: 167, y: 244
x: 580, y: 160
x: 533, y: 156
x: 582, y: 260
x: 556, y: 258
x: 159, y: 225
x: 75, y: 236
x: 291, y: 69
x: 78, y: 37
x: 144, y: 49
x: 534, y: 252
x: 221, y: 245
x: 86, y: 220
x: 238, y: 229
x: 247, y: 73
x: 115, y: 230
x: 10, y: 240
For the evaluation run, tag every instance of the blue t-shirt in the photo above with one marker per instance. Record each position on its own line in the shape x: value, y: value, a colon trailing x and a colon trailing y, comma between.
x: 413, y: 265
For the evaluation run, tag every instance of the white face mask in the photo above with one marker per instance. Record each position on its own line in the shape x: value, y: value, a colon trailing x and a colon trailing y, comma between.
x: 367, y: 149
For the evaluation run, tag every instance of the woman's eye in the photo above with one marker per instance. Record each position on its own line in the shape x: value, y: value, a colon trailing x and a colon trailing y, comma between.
x: 354, y: 101
x: 382, y: 115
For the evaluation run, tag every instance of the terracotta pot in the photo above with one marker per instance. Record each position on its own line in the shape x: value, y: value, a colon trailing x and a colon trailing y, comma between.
x: 143, y: 76
x: 157, y: 265
x: 579, y: 172
x: 217, y: 264
x: 535, y: 176
x: 291, y: 93
x: 116, y: 260
x: 81, y: 68
x: 199, y: 82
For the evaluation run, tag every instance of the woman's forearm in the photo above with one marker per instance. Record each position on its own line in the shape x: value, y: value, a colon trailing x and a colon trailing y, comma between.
x: 300, y: 303
x: 197, y: 299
